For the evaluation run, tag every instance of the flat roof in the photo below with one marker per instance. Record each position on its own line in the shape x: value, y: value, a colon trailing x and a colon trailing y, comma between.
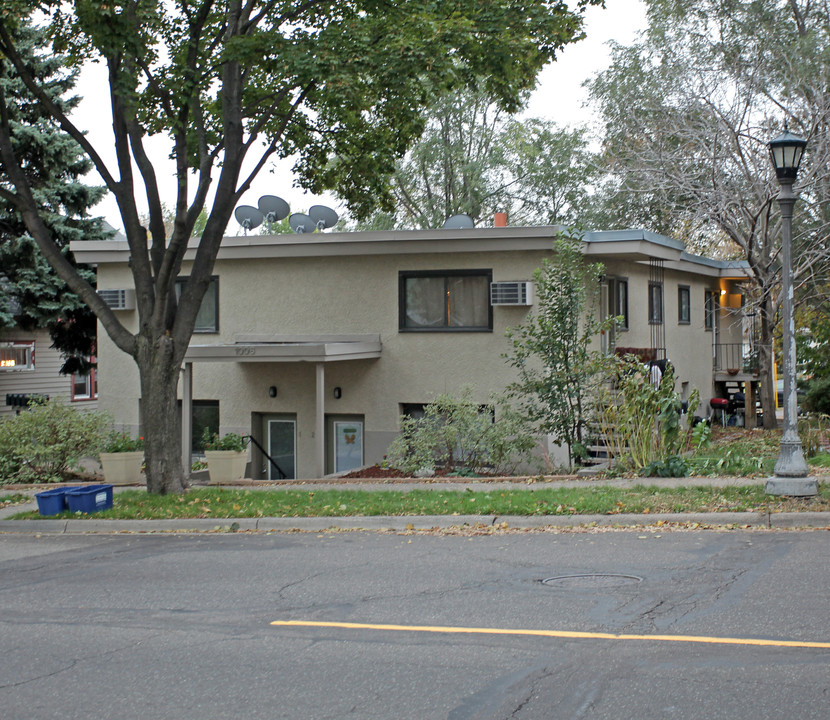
x: 636, y: 245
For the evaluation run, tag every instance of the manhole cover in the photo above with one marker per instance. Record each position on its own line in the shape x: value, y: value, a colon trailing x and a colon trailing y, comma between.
x: 592, y: 580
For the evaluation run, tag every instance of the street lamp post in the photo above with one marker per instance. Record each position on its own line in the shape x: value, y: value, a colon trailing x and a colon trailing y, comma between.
x: 790, y: 477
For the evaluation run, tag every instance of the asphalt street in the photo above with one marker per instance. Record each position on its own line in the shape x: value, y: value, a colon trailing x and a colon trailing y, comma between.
x: 634, y: 623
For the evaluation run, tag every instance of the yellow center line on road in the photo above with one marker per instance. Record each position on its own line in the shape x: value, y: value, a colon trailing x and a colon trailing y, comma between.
x: 552, y: 633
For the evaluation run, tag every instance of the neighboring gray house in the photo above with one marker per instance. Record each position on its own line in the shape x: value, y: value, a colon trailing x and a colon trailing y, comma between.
x: 314, y: 344
x: 30, y: 366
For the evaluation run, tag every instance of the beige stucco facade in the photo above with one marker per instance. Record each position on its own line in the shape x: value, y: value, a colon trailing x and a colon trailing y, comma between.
x: 304, y: 318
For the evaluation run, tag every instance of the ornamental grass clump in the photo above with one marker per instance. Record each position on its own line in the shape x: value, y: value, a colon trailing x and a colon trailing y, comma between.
x: 640, y: 420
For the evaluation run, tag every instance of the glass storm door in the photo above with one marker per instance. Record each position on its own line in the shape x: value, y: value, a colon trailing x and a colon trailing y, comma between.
x: 282, y: 447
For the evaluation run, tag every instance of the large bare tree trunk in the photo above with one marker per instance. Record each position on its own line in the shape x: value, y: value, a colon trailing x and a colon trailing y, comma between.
x: 158, y: 367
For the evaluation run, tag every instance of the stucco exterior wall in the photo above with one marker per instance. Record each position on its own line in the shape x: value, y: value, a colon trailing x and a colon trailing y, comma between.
x: 358, y: 294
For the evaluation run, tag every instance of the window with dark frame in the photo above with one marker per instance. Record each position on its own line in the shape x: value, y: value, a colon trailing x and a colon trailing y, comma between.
x: 684, y: 305
x: 655, y: 303
x: 204, y: 416
x: 711, y: 306
x: 621, y: 303
x: 207, y: 319
x: 445, y: 301
x: 417, y: 411
x: 413, y: 410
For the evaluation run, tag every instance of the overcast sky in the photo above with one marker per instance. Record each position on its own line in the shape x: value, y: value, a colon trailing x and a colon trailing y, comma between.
x: 559, y: 97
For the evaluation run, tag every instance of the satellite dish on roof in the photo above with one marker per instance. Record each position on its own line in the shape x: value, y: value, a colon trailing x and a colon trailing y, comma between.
x: 323, y: 217
x: 458, y: 222
x: 273, y: 208
x: 248, y: 217
x: 301, y: 223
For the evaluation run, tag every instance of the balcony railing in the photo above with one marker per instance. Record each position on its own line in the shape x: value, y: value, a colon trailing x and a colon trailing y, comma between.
x: 734, y: 358
x: 643, y: 354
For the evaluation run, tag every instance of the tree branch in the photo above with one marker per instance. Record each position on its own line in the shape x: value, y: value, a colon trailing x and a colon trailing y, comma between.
x: 25, y: 202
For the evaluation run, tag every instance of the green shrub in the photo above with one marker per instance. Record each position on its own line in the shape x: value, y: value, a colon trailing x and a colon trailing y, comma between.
x: 817, y: 397
x: 229, y: 441
x: 821, y: 459
x: 813, y: 431
x: 460, y: 437
x: 46, y: 442
x: 673, y: 466
x: 120, y: 442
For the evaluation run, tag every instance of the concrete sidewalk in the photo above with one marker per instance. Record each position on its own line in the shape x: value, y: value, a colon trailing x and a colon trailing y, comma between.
x: 428, y: 522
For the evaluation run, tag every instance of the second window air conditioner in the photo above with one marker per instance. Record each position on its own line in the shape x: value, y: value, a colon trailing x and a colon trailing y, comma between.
x: 511, y: 293
x: 118, y: 299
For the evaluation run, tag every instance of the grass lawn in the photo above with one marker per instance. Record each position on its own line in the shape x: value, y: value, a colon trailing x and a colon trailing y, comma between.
x: 13, y: 499
x: 228, y: 503
x: 740, y: 453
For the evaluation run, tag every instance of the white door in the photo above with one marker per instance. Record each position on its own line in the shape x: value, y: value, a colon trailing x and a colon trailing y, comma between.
x: 348, y: 445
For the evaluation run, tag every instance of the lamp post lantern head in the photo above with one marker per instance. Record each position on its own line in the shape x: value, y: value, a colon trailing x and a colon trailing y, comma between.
x: 786, y: 152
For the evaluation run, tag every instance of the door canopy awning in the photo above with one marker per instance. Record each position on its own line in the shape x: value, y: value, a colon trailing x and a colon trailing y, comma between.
x: 288, y: 348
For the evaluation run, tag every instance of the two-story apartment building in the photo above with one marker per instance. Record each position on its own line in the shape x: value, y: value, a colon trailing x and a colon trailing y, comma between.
x: 315, y: 344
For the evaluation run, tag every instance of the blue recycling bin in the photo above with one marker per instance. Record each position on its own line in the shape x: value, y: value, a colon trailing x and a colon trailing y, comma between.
x: 53, y: 502
x: 89, y: 499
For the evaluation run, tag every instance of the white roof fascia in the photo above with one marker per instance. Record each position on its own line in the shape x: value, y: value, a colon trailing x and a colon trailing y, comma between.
x: 326, y: 338
x: 310, y: 349
x: 711, y: 267
x: 397, y: 242
x: 634, y: 245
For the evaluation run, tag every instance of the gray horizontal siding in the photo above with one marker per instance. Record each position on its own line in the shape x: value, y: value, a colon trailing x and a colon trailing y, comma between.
x: 45, y: 379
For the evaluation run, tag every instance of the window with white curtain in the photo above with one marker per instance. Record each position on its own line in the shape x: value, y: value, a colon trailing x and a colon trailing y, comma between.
x: 445, y: 300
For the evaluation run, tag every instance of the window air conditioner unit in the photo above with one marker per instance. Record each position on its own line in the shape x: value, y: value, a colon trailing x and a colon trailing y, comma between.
x: 118, y: 299
x: 511, y: 293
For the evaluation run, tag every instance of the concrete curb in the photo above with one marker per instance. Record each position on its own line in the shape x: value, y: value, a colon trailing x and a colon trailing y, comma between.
x: 421, y: 522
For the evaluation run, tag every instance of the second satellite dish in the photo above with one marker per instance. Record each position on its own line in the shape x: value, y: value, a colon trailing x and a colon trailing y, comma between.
x: 248, y: 217
x: 323, y: 217
x: 273, y: 208
x: 301, y: 223
x: 458, y: 222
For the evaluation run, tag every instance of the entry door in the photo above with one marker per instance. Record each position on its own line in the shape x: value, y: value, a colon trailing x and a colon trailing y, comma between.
x: 348, y: 445
x: 282, y: 447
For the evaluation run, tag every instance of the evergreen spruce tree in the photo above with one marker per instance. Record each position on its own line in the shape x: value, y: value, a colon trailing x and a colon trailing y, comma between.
x: 31, y: 294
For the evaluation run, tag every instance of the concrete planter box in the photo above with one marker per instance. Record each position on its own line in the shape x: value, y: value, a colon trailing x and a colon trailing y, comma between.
x: 226, y: 465
x: 123, y: 468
